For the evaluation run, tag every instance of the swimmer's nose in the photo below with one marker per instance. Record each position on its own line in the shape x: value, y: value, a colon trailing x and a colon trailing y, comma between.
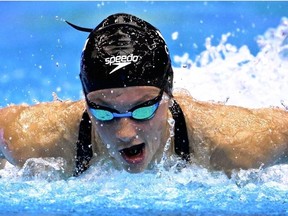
x: 126, y: 130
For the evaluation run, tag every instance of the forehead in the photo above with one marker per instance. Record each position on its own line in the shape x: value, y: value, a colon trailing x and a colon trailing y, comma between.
x: 128, y: 94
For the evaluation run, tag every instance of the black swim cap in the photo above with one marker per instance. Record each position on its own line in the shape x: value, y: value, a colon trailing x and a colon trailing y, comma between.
x: 124, y: 51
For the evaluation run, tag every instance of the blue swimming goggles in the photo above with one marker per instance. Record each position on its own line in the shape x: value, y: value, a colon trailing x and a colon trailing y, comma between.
x: 144, y: 111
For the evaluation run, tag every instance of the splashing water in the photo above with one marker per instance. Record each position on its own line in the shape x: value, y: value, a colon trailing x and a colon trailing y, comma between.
x: 224, y: 73
x: 223, y: 70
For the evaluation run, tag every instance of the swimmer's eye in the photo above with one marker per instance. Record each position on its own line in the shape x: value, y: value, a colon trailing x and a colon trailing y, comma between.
x: 144, y: 111
x: 141, y: 113
x: 101, y: 114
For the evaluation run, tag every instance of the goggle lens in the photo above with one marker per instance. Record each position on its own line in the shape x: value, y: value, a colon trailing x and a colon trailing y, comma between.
x: 144, y: 113
x: 102, y: 115
x: 141, y: 113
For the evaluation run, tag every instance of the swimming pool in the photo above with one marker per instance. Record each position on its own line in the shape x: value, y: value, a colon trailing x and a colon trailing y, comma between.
x: 232, y: 52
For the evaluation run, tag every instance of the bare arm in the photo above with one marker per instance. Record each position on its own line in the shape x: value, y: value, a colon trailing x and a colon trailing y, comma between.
x: 233, y: 137
x: 42, y: 130
x: 250, y: 138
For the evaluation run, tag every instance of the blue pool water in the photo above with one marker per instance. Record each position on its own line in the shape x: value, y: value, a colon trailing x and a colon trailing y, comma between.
x: 40, y: 55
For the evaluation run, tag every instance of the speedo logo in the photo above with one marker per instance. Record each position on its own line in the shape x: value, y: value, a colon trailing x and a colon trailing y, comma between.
x: 121, y: 61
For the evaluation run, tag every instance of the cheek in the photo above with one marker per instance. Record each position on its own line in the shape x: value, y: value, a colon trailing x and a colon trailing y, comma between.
x: 105, y: 131
x: 161, y: 116
x: 156, y: 130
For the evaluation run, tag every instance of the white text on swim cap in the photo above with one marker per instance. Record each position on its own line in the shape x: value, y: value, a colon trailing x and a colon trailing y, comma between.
x: 121, y: 61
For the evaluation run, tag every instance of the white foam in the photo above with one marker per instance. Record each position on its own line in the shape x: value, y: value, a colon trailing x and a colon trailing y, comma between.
x: 225, y: 71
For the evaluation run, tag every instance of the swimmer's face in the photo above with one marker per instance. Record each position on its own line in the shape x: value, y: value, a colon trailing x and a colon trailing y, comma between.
x: 133, y: 143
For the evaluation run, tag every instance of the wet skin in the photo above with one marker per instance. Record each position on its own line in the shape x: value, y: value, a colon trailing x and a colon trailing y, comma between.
x: 221, y: 137
x: 132, y: 143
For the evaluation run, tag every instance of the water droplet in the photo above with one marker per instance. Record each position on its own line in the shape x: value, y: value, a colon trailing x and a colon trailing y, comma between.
x: 175, y: 35
x: 108, y: 146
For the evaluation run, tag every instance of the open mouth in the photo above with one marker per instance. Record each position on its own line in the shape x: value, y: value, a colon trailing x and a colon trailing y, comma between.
x: 134, y: 154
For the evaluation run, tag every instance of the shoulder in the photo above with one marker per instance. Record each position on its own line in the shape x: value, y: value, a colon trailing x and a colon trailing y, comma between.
x: 190, y: 105
x: 43, y: 120
x: 41, y: 110
x: 47, y: 129
x: 234, y: 137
